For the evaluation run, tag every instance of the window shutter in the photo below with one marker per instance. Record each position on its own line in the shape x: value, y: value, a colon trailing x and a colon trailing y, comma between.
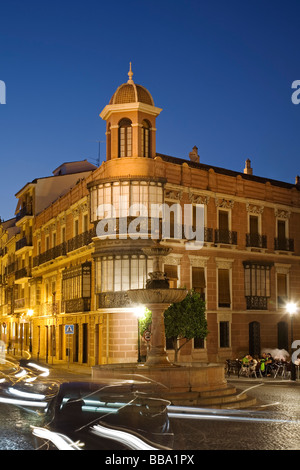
x: 224, y: 288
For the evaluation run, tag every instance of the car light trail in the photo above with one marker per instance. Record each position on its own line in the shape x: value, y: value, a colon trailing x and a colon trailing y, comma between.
x: 16, y: 401
x: 123, y: 437
x: 60, y: 441
x: 181, y: 412
x: 19, y: 393
x: 45, y: 371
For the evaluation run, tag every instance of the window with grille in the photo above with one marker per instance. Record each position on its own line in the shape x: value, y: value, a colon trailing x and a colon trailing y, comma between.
x: 257, y: 285
x: 125, y: 138
x: 146, y: 139
x: 121, y: 273
x: 76, y: 282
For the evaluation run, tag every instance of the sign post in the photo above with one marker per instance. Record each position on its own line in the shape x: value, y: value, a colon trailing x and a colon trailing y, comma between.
x: 69, y: 330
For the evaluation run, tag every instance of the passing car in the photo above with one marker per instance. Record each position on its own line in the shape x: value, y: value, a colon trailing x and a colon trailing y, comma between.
x: 112, y: 415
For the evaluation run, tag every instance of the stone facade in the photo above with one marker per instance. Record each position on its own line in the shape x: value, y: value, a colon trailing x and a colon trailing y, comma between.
x: 57, y: 271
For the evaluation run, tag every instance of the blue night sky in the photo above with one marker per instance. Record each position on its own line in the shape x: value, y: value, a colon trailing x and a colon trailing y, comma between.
x: 221, y: 70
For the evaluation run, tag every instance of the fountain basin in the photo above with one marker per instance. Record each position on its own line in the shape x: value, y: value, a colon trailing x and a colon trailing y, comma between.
x: 156, y: 296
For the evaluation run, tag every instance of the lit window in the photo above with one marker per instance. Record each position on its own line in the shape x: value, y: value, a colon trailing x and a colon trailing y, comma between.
x: 146, y: 139
x: 125, y: 138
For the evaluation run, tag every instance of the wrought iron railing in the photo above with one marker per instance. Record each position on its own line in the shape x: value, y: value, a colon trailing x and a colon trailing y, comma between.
x: 284, y: 244
x: 256, y: 240
x: 81, y: 240
x: 77, y: 305
x: 228, y: 237
x: 22, y: 243
x: 255, y: 302
x: 26, y: 210
x: 52, y: 253
x: 23, y: 272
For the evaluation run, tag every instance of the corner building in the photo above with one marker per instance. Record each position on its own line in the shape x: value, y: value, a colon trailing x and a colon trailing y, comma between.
x: 81, y: 261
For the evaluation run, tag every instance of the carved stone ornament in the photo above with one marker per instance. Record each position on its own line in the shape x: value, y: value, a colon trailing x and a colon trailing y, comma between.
x: 198, y: 199
x: 173, y: 194
x: 282, y: 214
x: 224, y: 203
x: 254, y: 209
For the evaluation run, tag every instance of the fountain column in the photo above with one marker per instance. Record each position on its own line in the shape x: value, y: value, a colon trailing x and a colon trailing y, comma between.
x: 157, y: 297
x: 158, y: 353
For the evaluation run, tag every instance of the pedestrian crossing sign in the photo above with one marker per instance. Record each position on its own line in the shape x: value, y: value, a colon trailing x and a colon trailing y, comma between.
x: 69, y: 329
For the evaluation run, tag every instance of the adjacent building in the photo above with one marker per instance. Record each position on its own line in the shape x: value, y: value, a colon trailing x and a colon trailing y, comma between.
x: 77, y: 244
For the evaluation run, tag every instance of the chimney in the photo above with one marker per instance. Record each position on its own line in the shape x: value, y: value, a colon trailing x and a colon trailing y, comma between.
x: 194, y: 157
x: 248, y: 170
x: 297, y: 180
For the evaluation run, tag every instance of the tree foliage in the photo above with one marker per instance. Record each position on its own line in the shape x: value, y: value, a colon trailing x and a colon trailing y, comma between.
x: 145, y: 321
x: 184, y: 320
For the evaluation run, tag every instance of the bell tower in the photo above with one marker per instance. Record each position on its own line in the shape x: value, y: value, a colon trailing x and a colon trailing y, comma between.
x: 130, y: 122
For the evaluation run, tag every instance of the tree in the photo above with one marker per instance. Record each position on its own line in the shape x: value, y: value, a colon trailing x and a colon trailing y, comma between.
x: 145, y: 321
x: 186, y: 320
x: 183, y: 320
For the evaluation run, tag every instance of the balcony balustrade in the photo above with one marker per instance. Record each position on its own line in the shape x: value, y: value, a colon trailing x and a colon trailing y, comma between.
x: 284, y: 244
x: 255, y: 302
x: 228, y: 237
x: 22, y: 273
x: 77, y: 305
x: 23, y: 243
x: 25, y: 211
x: 83, y: 239
x: 52, y: 253
x: 255, y: 240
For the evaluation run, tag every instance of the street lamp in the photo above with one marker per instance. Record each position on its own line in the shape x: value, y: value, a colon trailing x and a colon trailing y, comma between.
x: 139, y: 312
x: 291, y: 308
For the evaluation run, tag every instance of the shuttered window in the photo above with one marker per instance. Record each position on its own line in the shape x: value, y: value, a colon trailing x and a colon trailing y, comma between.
x: 224, y: 298
x: 171, y: 274
x: 281, y: 289
x: 198, y: 280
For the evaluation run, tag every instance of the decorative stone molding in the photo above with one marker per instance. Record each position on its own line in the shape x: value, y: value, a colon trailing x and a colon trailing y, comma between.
x: 75, y: 212
x: 199, y: 199
x: 38, y: 234
x: 224, y: 263
x: 173, y: 259
x: 282, y: 214
x: 254, y: 209
x: 224, y: 203
x: 282, y: 268
x: 62, y: 219
x: 49, y: 228
x: 173, y: 194
x: 198, y: 261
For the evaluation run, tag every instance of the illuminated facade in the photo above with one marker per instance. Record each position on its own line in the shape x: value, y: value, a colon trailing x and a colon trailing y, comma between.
x: 60, y: 265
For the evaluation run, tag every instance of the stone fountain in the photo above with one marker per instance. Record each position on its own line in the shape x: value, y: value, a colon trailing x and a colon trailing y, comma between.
x: 157, y: 297
x: 176, y: 378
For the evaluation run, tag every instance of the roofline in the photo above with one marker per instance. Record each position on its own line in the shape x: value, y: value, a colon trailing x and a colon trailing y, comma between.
x: 33, y: 182
x: 224, y: 171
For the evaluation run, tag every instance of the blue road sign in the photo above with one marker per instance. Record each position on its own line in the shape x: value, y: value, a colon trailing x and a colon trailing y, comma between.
x: 69, y: 329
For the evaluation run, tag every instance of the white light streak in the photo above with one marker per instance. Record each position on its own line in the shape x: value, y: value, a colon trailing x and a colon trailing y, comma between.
x: 20, y: 393
x: 123, y: 437
x: 15, y: 401
x: 60, y: 441
x: 45, y: 371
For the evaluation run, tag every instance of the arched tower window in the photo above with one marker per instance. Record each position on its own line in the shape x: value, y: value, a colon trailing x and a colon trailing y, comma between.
x: 125, y: 138
x: 145, y: 139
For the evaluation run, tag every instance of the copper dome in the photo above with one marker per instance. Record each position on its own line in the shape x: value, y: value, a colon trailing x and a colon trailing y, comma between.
x: 131, y: 93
